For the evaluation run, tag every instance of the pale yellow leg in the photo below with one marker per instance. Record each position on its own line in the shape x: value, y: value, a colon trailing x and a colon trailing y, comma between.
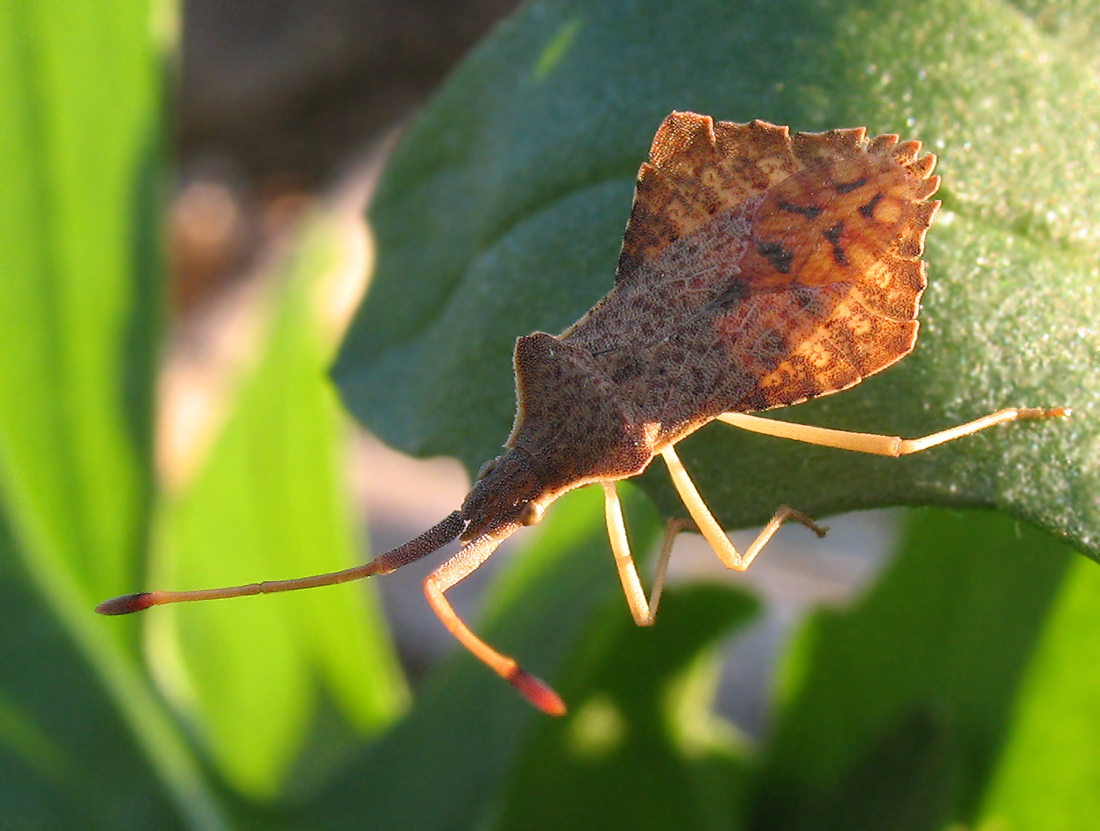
x: 881, y: 445
x: 644, y: 611
x: 710, y: 529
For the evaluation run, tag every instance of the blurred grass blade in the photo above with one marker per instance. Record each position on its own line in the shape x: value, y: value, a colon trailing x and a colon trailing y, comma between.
x: 80, y: 104
x: 1046, y: 774
x: 78, y: 244
x: 898, y: 710
x: 269, y: 501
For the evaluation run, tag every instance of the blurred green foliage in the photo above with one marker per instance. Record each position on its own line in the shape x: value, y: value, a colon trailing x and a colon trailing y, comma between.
x: 959, y: 690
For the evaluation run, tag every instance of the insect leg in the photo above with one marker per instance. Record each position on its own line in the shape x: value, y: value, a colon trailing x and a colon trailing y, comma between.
x: 882, y: 445
x: 456, y: 569
x: 644, y: 611
x: 710, y: 529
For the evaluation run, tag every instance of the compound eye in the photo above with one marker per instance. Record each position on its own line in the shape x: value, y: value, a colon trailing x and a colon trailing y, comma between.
x: 532, y: 514
x: 487, y: 468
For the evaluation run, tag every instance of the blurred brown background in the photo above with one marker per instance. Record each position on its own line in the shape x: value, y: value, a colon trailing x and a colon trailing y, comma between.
x: 277, y: 99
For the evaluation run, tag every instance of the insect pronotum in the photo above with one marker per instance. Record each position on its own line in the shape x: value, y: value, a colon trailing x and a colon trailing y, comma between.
x: 759, y: 269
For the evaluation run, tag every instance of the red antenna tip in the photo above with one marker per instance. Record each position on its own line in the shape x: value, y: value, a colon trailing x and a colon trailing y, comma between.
x: 126, y: 604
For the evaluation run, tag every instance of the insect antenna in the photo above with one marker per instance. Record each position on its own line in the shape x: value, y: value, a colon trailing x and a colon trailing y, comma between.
x: 434, y: 538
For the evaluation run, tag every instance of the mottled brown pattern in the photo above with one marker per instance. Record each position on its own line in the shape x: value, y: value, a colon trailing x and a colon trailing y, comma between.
x: 758, y: 269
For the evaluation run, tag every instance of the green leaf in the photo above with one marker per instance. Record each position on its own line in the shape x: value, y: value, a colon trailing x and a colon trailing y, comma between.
x: 901, y: 712
x: 502, y: 213
x: 80, y: 100
x: 1045, y: 775
x: 255, y: 676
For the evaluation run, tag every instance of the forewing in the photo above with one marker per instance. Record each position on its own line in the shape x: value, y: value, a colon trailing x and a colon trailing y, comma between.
x: 833, y: 267
x: 825, y: 286
x: 698, y: 169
